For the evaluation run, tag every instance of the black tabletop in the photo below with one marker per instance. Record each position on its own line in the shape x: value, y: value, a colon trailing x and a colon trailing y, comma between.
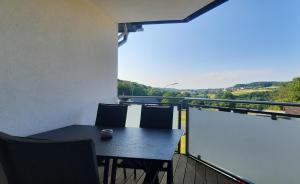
x: 140, y: 143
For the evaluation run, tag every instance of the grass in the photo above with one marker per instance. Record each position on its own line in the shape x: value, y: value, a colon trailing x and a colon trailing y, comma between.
x: 211, y: 95
x: 248, y: 91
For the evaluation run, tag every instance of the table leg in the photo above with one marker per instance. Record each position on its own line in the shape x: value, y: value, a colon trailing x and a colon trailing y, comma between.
x: 114, y: 171
x: 106, y: 170
x: 170, y: 173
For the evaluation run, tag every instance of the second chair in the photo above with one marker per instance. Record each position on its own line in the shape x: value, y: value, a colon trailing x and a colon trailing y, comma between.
x: 159, y: 117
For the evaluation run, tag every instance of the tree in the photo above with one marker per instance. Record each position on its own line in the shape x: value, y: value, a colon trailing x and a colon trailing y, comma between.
x: 124, y: 88
x: 170, y: 94
x: 132, y: 88
x: 289, y: 92
x: 184, y: 94
x: 154, y: 92
x: 227, y: 95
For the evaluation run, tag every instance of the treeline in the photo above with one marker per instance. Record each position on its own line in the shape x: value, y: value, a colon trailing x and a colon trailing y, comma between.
x: 284, y: 92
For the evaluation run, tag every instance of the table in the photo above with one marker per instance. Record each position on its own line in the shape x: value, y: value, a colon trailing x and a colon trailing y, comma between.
x: 127, y: 143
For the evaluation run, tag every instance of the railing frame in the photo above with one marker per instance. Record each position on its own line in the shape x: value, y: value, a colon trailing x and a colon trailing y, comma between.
x: 218, y: 100
x: 184, y: 104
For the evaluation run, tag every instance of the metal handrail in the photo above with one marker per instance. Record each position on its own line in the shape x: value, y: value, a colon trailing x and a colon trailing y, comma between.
x: 246, y: 101
x: 218, y: 100
x: 158, y: 97
x: 274, y: 115
x: 184, y: 102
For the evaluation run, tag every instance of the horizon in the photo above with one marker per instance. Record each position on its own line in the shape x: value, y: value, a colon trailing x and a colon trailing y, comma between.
x: 199, y: 88
x: 237, y: 42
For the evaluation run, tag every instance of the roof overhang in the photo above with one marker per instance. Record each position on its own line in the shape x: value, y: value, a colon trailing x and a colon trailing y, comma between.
x: 141, y: 12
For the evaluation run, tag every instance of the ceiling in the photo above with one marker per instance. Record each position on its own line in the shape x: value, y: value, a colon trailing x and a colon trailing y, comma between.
x: 126, y: 11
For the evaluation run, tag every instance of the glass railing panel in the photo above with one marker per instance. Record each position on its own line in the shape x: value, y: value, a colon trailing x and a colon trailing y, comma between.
x: 134, y: 115
x: 257, y: 148
x: 175, y: 117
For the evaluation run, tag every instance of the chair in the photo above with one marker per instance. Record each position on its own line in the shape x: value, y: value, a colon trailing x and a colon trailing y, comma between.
x: 111, y: 115
x: 152, y: 116
x: 29, y: 161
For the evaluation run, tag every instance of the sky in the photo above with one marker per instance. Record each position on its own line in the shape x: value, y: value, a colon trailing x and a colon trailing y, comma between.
x: 240, y: 41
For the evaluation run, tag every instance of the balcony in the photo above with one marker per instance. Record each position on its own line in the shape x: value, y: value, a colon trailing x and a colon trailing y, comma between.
x: 60, y: 58
x: 243, y: 145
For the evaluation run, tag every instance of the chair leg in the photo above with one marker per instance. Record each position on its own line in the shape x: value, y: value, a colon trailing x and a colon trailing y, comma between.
x: 134, y: 173
x: 106, y: 169
x: 114, y: 171
x: 124, y: 172
x: 170, y: 173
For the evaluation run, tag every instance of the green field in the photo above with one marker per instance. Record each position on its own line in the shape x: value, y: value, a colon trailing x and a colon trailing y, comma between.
x: 248, y: 91
x: 211, y: 95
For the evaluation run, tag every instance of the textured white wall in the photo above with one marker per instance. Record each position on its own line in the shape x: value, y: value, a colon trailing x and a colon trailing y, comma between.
x: 58, y: 59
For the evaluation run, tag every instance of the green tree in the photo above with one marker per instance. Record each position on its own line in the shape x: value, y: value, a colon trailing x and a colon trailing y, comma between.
x: 124, y: 88
x: 227, y: 95
x: 289, y: 92
x: 170, y: 94
x: 154, y: 92
x: 183, y: 94
x: 132, y: 88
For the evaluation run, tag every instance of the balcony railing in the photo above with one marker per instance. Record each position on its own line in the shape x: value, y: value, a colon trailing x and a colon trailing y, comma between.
x: 240, y: 143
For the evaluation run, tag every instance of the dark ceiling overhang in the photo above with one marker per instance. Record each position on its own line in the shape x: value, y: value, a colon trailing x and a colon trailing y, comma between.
x: 137, y: 26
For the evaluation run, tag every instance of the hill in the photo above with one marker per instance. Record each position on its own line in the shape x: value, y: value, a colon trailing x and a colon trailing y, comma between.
x: 256, y: 91
x: 252, y: 85
x: 136, y: 89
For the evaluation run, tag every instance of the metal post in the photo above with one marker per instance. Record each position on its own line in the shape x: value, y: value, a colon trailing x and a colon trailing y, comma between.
x: 179, y: 125
x: 186, y: 106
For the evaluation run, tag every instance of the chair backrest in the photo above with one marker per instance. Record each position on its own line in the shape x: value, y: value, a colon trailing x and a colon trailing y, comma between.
x: 156, y: 117
x: 111, y: 115
x: 28, y: 161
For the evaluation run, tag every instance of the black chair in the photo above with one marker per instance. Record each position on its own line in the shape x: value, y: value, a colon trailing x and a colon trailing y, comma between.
x: 29, y: 161
x: 111, y: 115
x: 152, y: 116
x: 159, y: 117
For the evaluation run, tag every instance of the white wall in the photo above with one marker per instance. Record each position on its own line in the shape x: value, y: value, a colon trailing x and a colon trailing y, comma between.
x: 58, y: 59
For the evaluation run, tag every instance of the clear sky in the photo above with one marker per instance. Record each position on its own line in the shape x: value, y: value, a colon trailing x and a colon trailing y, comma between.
x: 240, y: 41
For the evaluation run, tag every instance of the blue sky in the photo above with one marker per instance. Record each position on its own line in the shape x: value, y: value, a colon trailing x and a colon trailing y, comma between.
x: 240, y: 41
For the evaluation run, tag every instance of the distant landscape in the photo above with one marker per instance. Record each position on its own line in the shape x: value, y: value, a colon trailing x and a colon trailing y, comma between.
x: 256, y: 91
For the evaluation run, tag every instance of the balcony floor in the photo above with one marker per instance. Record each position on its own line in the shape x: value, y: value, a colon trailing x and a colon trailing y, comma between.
x: 185, y: 170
